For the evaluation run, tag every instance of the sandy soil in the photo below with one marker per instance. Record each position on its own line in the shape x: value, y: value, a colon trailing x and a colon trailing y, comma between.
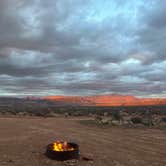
x: 23, y: 142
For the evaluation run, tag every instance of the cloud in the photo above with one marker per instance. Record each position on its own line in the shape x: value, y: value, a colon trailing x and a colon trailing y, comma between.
x: 82, y: 47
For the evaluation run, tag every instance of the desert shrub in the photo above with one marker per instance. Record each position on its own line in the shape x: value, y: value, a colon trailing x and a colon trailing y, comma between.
x: 163, y: 119
x: 136, y: 120
x: 66, y: 114
x: 148, y: 122
x: 105, y: 114
x: 116, y: 115
x: 12, y: 112
x: 39, y: 114
x: 105, y: 121
x: 98, y: 118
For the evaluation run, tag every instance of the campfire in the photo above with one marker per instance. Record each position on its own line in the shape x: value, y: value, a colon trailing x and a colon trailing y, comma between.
x: 62, y: 151
x: 62, y: 146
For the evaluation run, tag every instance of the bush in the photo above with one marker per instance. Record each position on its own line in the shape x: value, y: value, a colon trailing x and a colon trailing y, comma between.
x: 105, y: 121
x: 116, y: 115
x: 163, y: 119
x: 148, y: 122
x: 98, y: 118
x: 136, y: 120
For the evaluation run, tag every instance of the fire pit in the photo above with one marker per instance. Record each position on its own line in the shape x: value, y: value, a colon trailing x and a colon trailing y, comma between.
x: 62, y: 151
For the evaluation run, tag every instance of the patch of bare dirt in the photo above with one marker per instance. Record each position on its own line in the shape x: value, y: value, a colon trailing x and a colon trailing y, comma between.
x: 23, y: 142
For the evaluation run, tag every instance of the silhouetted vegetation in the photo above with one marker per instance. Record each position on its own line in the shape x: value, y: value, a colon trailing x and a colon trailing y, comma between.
x: 146, y: 115
x: 136, y: 120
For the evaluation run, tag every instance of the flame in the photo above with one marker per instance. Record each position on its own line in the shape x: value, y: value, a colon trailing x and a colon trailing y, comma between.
x: 62, y: 146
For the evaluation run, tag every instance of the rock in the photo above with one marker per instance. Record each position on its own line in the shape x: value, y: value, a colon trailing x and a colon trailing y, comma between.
x: 71, y: 163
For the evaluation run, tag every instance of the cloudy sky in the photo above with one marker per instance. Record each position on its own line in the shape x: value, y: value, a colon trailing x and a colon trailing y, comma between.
x: 83, y: 47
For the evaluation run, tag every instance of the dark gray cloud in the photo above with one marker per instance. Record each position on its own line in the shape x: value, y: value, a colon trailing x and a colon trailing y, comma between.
x: 82, y: 47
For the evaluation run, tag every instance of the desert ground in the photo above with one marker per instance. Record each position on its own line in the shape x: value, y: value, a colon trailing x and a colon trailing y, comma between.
x: 23, y: 142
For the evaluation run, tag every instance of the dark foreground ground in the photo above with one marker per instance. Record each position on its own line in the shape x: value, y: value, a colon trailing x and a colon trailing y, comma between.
x: 23, y: 142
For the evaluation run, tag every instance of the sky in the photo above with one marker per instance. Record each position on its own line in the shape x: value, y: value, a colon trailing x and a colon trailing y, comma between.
x: 83, y: 47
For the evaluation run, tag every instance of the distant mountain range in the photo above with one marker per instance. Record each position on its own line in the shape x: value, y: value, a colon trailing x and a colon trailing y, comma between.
x: 106, y: 100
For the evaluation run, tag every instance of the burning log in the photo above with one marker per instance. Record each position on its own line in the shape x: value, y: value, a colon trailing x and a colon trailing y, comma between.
x: 62, y: 151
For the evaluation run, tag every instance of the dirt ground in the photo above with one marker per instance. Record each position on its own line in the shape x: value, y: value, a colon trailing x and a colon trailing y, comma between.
x: 23, y: 142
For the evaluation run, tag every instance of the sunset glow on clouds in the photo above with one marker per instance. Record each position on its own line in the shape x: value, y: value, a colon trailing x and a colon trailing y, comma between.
x: 83, y: 47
